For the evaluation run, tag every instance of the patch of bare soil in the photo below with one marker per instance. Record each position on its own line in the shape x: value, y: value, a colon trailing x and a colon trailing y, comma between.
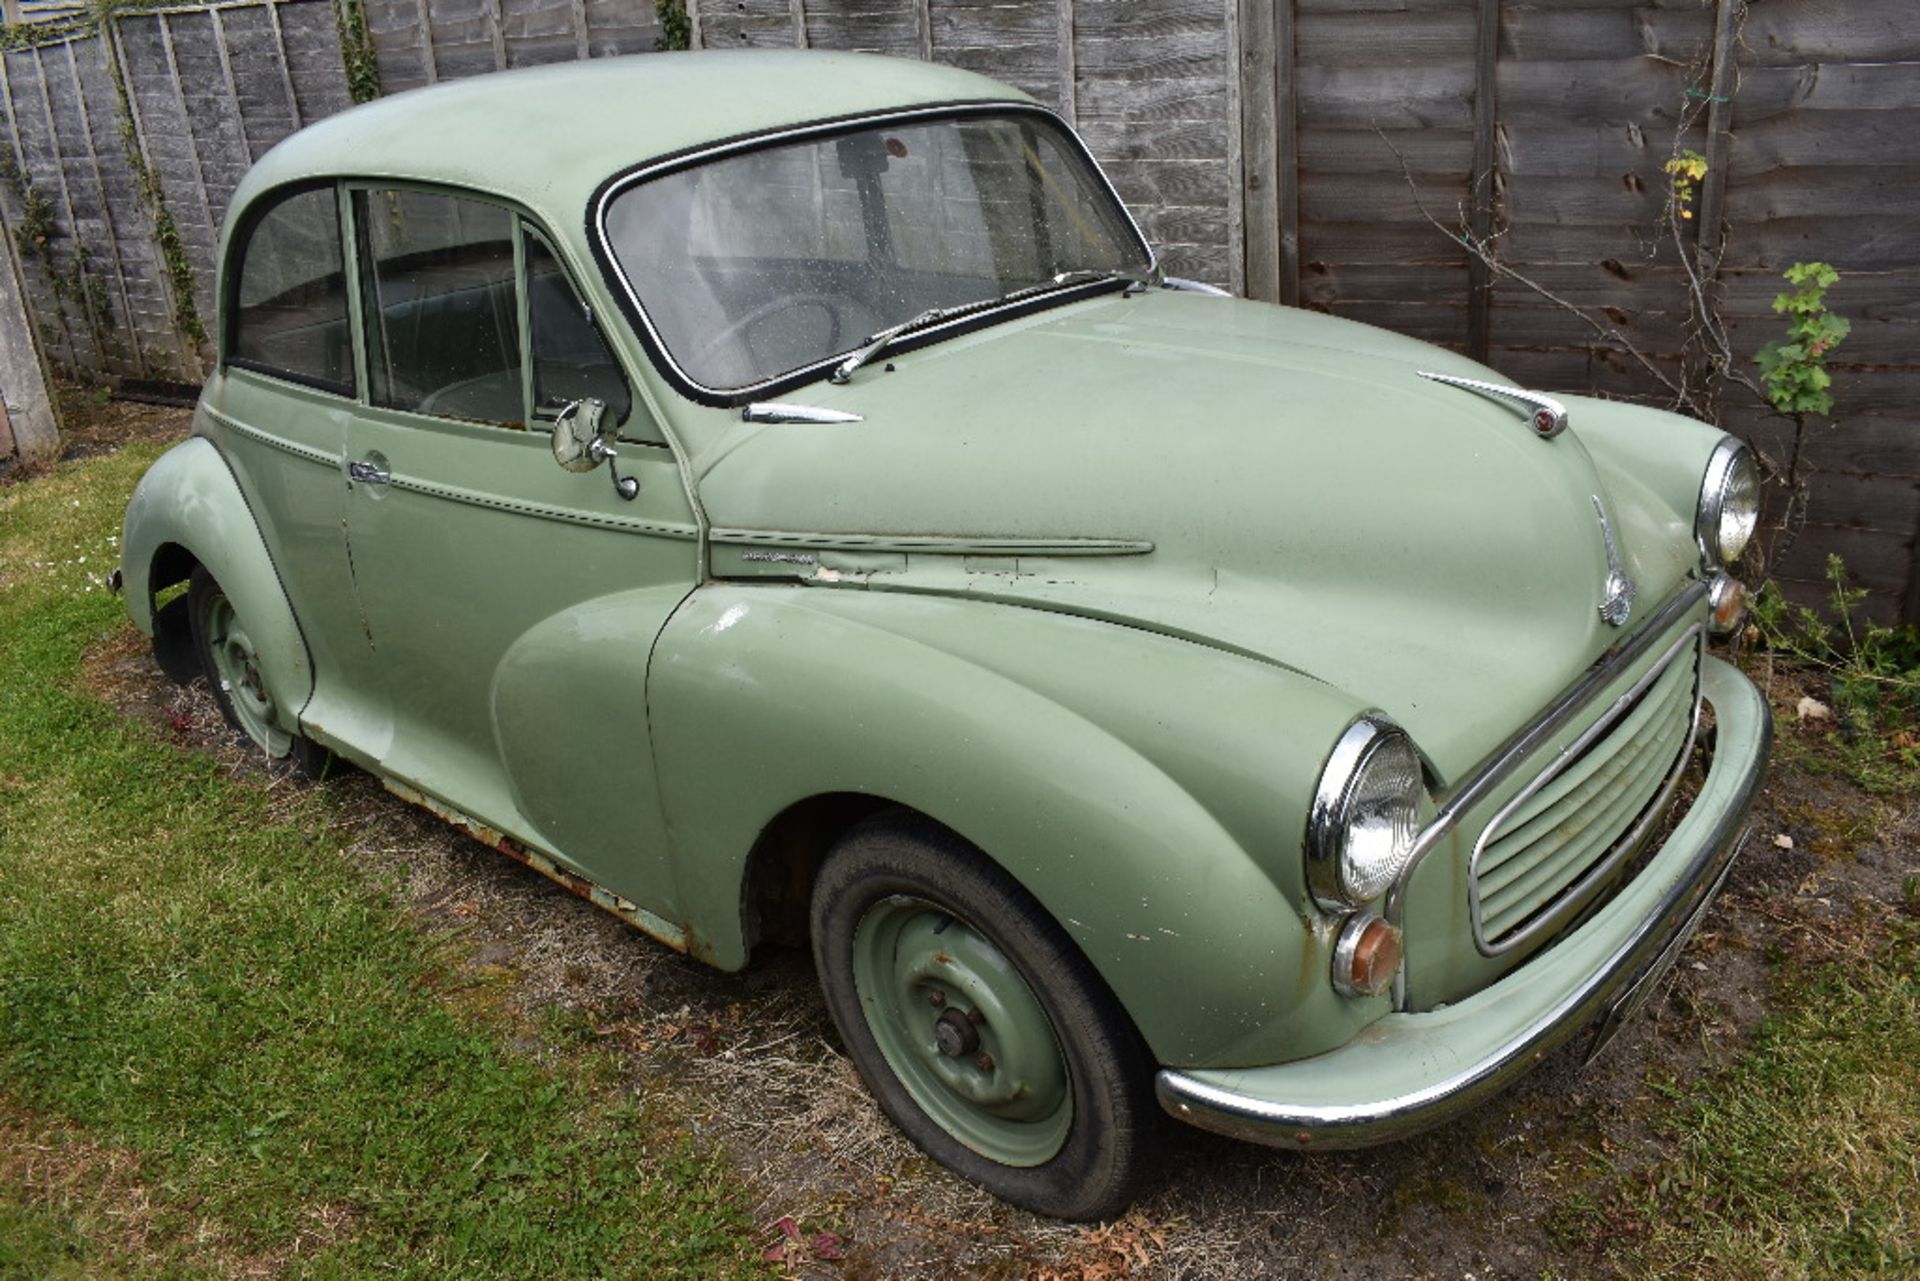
x: 751, y: 1065
x: 92, y: 423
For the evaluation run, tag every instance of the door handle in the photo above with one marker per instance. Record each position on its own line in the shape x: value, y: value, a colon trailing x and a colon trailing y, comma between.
x: 368, y: 473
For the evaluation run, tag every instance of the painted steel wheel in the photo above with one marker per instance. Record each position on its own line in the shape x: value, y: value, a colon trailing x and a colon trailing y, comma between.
x: 978, y: 1025
x: 232, y: 667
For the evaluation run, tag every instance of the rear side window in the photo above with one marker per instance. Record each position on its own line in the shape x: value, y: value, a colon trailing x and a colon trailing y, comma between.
x: 442, y: 309
x: 290, y: 294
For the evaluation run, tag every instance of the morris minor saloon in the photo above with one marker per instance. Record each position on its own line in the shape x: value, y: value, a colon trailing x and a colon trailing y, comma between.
x: 780, y: 496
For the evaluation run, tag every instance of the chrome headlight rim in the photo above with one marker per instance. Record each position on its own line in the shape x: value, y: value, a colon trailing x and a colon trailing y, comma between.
x: 1728, y: 459
x: 1328, y: 820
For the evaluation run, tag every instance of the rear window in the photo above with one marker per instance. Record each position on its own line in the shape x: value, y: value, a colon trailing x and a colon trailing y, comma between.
x: 290, y: 293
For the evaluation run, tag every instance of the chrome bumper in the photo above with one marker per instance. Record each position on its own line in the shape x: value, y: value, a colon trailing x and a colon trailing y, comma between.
x: 1407, y: 1072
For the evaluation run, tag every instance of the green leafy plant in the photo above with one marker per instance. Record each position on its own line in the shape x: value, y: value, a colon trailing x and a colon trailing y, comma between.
x: 1795, y: 371
x: 676, y: 28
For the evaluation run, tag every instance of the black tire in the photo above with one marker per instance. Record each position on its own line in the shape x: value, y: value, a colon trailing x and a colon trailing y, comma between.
x: 1109, y: 1146
x: 224, y: 654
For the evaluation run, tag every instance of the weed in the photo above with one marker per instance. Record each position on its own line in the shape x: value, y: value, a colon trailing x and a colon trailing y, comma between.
x: 1873, y: 672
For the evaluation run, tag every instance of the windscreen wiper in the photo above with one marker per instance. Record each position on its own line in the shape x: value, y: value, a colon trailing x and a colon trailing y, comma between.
x: 878, y: 342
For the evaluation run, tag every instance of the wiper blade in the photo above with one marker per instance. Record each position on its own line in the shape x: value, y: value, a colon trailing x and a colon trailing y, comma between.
x: 879, y: 341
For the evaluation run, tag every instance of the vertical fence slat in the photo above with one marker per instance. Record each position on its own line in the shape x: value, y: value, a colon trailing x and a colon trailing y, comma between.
x: 1713, y: 187
x: 1069, y: 71
x: 189, y: 359
x: 286, y: 62
x: 429, y: 63
x: 1480, y: 180
x: 179, y: 96
x: 66, y: 202
x: 20, y: 157
x: 799, y: 11
x: 1286, y: 145
x: 1257, y: 183
x: 233, y: 88
x: 497, y: 33
x: 582, y: 47
x: 923, y: 13
x: 106, y: 214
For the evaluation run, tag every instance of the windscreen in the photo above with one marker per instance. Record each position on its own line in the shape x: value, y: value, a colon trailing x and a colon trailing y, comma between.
x: 767, y: 261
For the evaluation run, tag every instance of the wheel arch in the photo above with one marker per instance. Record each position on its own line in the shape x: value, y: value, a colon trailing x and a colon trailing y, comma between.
x: 188, y: 510
x: 1200, y: 940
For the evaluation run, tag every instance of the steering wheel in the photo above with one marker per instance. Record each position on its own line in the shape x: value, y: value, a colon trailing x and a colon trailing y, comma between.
x: 773, y: 307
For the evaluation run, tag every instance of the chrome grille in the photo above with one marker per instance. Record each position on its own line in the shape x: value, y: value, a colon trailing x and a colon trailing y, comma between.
x: 1589, y: 809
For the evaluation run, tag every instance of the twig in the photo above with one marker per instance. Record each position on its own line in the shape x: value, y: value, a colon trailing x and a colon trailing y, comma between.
x: 1484, y: 252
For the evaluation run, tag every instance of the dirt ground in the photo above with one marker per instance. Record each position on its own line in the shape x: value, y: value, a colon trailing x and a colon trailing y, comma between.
x: 752, y: 1065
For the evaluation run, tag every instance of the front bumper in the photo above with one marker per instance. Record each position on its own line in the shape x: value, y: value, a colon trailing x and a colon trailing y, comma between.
x: 1407, y: 1072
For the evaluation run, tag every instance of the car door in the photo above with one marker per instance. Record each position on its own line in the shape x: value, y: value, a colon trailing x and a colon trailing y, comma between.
x: 279, y: 406
x: 512, y: 605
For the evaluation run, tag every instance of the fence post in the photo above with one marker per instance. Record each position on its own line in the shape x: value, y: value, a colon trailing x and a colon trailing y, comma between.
x: 1481, y: 184
x: 29, y: 419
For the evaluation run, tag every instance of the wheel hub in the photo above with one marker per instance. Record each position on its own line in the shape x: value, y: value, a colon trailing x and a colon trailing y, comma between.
x: 955, y: 1035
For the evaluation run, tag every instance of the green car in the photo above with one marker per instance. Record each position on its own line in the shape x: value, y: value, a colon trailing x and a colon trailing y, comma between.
x: 781, y: 497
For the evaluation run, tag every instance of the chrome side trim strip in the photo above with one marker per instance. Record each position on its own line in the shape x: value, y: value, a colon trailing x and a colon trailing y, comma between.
x: 1568, y: 755
x: 1180, y: 284
x: 934, y: 543
x: 777, y: 411
x: 543, y: 511
x: 1549, y: 417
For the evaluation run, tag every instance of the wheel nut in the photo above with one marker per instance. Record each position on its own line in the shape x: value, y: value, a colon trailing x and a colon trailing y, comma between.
x: 984, y: 1062
x: 936, y: 998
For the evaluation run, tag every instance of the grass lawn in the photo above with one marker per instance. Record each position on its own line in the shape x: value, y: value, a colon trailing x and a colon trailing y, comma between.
x: 223, y: 1053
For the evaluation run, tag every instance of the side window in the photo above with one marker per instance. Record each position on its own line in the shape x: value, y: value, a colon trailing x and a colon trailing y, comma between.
x: 443, y: 331
x: 290, y: 294
x: 571, y: 360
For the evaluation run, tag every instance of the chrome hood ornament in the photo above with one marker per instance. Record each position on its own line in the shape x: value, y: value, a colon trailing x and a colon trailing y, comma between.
x: 1548, y: 417
x: 1617, y: 604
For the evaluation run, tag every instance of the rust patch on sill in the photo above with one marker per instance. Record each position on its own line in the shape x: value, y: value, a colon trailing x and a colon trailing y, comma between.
x: 632, y: 913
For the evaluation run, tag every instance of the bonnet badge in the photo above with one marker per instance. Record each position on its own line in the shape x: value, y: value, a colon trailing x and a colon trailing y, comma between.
x: 1617, y: 604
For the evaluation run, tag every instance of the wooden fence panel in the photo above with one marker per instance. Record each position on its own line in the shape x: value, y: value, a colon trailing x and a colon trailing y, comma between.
x: 420, y: 42
x: 37, y: 200
x: 210, y: 91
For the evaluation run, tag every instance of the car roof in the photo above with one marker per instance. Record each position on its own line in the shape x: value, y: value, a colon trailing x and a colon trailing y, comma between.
x: 548, y: 137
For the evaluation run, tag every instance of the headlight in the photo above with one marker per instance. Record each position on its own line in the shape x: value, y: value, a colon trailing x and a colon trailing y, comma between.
x: 1729, y: 503
x: 1365, y: 816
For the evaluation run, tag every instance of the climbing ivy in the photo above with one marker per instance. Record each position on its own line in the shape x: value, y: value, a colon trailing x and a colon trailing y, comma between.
x: 356, y: 50
x: 146, y: 190
x: 676, y: 28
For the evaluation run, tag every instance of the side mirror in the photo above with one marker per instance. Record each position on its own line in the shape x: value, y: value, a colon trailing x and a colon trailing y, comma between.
x: 582, y: 438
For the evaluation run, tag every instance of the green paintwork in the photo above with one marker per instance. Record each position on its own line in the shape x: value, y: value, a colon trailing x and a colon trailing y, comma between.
x: 1418, y: 1064
x: 189, y: 499
x: 1096, y: 588
x: 1007, y: 1097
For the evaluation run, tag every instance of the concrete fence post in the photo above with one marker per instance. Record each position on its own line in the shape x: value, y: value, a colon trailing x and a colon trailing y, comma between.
x: 29, y: 420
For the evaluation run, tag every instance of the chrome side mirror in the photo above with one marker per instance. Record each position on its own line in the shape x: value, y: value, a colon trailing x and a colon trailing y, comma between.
x: 583, y: 439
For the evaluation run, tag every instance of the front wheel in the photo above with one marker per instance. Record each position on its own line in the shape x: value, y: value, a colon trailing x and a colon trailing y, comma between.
x: 980, y: 1028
